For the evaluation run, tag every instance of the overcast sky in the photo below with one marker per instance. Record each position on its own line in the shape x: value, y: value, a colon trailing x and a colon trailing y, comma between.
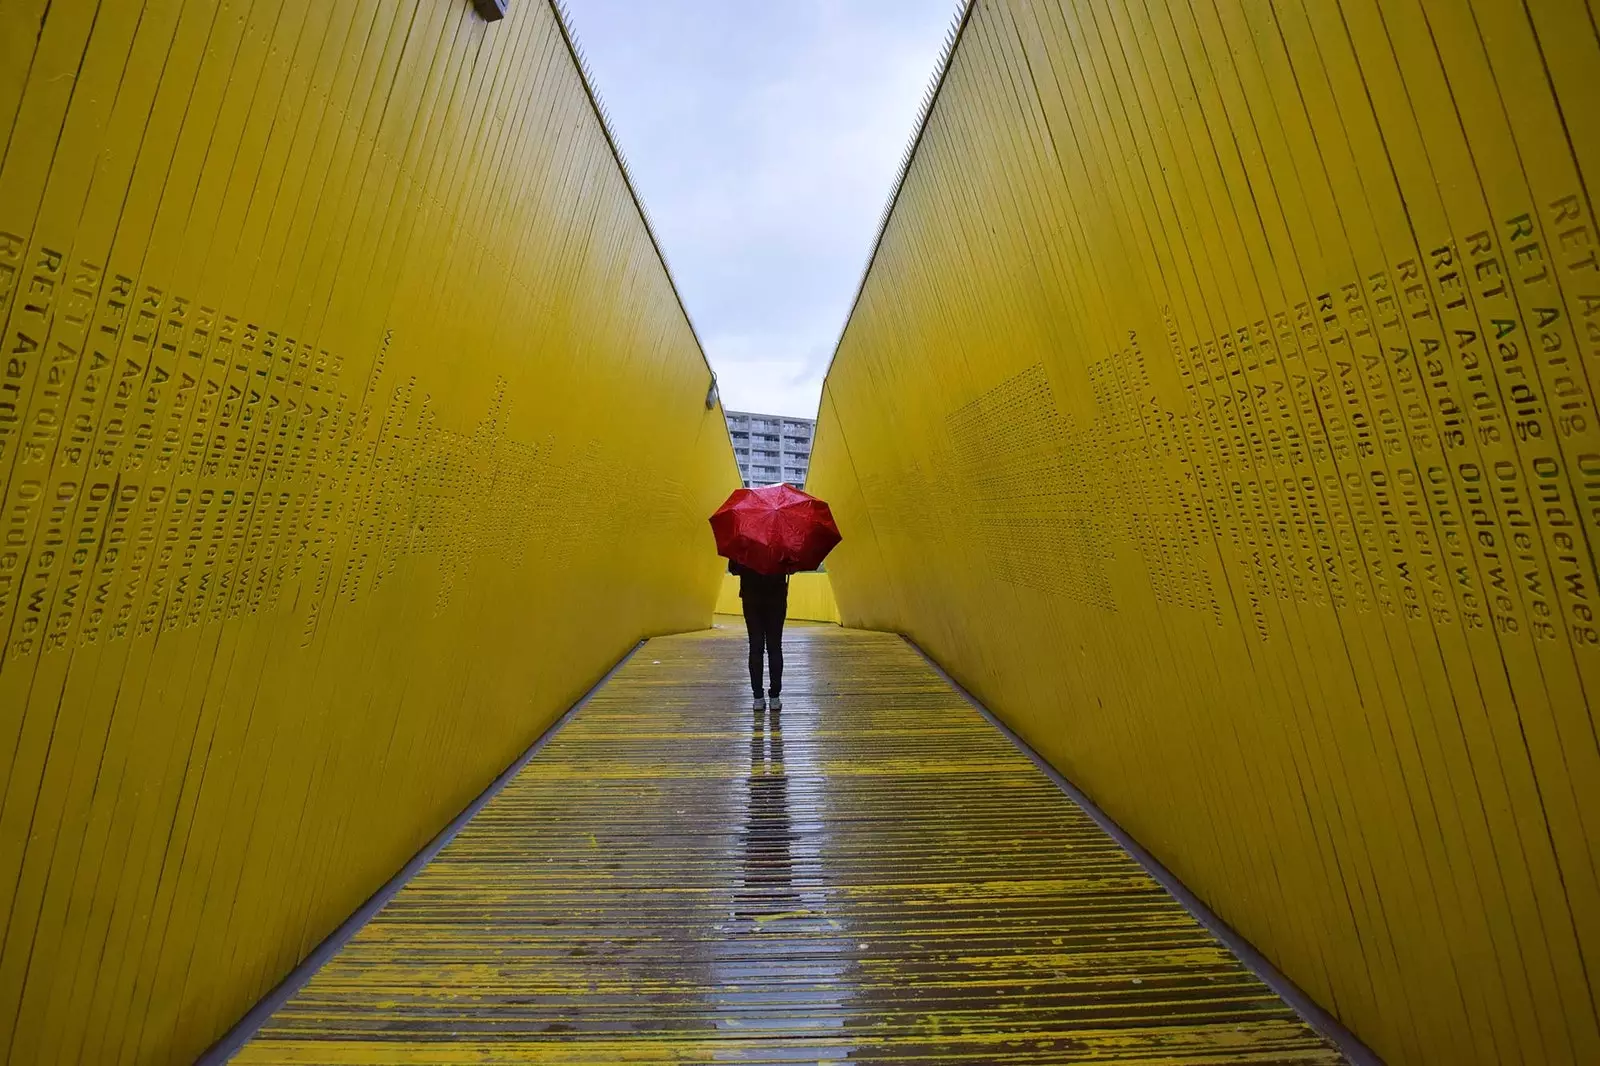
x: 763, y: 137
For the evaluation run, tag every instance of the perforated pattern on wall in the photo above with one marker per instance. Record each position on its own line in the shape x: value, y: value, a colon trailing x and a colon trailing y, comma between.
x: 1315, y: 288
x: 333, y: 338
x: 1020, y: 461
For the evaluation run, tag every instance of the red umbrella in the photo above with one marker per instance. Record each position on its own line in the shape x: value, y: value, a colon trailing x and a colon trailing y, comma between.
x: 776, y: 529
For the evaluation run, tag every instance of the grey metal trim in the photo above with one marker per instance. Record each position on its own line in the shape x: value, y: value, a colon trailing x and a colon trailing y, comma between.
x: 946, y: 61
x: 558, y: 9
x: 1315, y: 1015
x: 234, y: 1039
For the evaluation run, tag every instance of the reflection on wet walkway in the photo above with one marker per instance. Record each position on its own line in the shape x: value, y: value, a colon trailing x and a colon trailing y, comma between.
x: 777, y: 967
x: 871, y: 875
x: 768, y: 842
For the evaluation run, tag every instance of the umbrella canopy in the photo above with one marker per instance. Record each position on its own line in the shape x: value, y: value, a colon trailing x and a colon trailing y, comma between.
x: 776, y: 529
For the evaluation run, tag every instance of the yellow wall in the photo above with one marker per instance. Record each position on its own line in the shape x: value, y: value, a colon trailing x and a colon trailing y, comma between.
x: 350, y: 428
x: 1219, y: 407
x: 810, y: 598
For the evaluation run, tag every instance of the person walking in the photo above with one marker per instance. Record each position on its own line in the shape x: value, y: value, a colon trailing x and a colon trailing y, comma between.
x: 766, y: 534
x: 765, y: 599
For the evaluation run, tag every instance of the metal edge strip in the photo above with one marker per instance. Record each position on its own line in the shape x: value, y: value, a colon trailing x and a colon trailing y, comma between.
x: 230, y: 1043
x: 963, y: 16
x: 1315, y: 1015
x: 579, y: 63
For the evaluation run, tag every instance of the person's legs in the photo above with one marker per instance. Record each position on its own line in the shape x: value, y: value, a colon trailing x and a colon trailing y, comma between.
x: 754, y: 624
x: 776, y: 610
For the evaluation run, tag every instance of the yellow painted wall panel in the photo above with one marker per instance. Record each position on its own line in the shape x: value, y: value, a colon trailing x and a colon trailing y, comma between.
x: 350, y: 427
x: 810, y: 598
x: 728, y: 596
x: 1218, y: 405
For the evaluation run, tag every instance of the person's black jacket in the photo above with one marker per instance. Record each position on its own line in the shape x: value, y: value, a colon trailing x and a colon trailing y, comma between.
x: 754, y: 586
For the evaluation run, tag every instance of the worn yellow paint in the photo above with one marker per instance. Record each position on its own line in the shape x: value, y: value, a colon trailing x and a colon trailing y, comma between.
x: 874, y: 874
x: 1219, y: 406
x: 339, y: 362
x: 810, y: 598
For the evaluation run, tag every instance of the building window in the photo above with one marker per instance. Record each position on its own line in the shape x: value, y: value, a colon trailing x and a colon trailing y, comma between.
x: 771, y: 448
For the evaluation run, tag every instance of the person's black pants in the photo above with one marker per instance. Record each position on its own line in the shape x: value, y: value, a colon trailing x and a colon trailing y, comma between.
x: 764, y: 620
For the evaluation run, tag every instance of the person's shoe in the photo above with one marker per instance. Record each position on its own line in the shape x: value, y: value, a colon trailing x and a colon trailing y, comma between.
x: 759, y: 704
x: 775, y: 703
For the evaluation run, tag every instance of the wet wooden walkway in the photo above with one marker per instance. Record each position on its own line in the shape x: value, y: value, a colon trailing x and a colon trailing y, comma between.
x: 872, y: 875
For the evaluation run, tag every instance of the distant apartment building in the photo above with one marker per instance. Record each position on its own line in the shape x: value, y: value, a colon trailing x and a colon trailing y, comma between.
x: 771, y: 448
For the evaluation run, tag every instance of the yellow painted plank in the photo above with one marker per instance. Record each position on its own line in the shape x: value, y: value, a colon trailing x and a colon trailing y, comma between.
x: 871, y: 874
x: 1219, y: 405
x: 313, y: 359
